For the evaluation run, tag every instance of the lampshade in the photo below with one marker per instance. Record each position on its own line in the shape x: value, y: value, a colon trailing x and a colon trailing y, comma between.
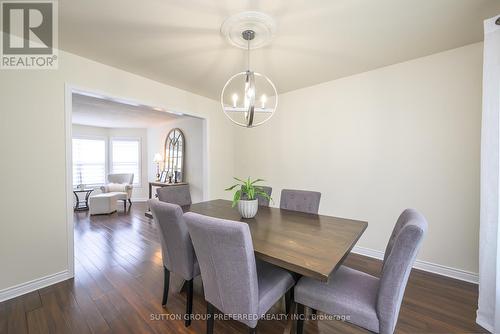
x: 158, y: 158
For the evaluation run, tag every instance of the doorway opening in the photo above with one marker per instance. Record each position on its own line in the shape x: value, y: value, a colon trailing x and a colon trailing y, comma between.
x: 108, y: 136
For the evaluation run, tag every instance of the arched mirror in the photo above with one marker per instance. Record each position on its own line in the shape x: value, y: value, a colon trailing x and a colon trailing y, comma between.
x: 174, y: 155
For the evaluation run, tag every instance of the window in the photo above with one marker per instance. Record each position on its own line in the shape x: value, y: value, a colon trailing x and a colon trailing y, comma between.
x: 126, y: 157
x: 89, y: 161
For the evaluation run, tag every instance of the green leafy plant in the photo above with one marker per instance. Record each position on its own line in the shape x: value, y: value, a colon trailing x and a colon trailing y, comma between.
x: 247, y: 190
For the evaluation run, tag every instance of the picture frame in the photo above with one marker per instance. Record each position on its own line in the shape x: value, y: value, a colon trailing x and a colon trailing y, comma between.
x: 163, y: 177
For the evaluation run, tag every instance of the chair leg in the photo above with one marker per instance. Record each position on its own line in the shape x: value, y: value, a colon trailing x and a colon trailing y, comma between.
x: 210, y: 318
x: 166, y: 282
x: 124, y: 205
x: 300, y: 318
x: 289, y: 300
x: 129, y: 203
x: 189, y: 303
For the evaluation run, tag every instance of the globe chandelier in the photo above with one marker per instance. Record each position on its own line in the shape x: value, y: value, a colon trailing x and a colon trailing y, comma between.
x: 249, y: 98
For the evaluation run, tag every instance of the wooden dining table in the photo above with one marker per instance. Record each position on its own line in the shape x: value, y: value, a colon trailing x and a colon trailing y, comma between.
x: 307, y: 244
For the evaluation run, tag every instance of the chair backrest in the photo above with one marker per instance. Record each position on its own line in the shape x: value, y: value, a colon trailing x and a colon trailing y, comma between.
x: 125, y: 178
x: 227, y: 263
x: 399, y: 257
x: 176, y: 246
x: 262, y: 200
x: 179, y: 195
x: 300, y: 200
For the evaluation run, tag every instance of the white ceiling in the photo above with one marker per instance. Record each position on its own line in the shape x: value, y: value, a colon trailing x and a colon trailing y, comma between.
x: 105, y: 113
x: 178, y: 41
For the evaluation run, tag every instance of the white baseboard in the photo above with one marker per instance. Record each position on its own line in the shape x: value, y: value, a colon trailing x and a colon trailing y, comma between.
x: 459, y: 274
x: 481, y: 321
x: 24, y: 288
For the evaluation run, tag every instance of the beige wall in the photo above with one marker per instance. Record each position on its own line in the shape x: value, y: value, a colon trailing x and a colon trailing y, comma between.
x: 139, y: 192
x: 375, y: 143
x: 194, y: 134
x: 33, y: 234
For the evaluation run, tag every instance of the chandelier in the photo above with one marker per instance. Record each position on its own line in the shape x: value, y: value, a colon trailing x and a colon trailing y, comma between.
x: 249, y: 98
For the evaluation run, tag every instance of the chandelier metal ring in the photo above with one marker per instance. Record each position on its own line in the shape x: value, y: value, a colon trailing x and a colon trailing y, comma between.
x: 226, y: 109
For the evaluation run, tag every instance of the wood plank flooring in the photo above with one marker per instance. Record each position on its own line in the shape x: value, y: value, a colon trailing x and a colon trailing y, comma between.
x: 118, y: 287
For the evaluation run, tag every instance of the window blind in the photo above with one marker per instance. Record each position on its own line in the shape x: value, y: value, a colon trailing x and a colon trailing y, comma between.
x: 89, y: 161
x: 126, y: 157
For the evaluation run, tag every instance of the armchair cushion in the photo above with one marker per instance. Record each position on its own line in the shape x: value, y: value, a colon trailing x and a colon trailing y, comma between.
x: 118, y: 188
x: 115, y: 187
x: 119, y: 183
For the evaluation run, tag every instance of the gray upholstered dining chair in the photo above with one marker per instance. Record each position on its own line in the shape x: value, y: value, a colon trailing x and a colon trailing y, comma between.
x: 370, y: 302
x: 300, y: 200
x: 176, y: 249
x: 262, y: 200
x: 234, y: 282
x: 179, y: 195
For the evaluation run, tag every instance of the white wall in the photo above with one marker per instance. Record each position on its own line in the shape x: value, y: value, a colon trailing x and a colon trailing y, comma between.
x: 402, y: 136
x: 194, y: 134
x: 33, y: 154
x: 139, y: 192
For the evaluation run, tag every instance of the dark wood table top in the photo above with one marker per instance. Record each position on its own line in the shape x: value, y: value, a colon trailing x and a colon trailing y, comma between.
x: 311, y: 245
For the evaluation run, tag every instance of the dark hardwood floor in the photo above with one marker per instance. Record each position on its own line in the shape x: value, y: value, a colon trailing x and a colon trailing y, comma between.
x: 118, y: 288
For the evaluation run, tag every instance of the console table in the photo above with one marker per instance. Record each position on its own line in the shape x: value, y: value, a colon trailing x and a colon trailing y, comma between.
x: 159, y: 184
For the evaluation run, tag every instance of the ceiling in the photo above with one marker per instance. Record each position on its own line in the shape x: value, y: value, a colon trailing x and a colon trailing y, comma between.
x: 103, y: 112
x: 178, y: 42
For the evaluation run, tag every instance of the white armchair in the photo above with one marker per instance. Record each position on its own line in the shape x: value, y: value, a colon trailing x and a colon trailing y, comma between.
x: 121, y: 185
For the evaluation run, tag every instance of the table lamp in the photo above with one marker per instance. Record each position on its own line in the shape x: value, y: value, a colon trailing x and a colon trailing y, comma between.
x: 157, y: 159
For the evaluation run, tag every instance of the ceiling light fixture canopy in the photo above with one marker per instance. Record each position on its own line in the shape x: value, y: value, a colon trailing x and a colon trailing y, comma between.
x: 259, y: 95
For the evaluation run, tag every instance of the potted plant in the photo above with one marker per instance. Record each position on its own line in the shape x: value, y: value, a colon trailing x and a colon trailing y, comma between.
x: 246, y: 196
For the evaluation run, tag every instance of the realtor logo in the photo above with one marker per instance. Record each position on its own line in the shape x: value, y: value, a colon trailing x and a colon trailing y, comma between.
x: 29, y: 38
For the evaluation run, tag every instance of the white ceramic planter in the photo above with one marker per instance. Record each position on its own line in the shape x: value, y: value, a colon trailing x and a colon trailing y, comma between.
x: 248, y: 209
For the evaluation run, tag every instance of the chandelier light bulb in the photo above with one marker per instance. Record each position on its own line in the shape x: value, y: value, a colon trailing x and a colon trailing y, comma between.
x: 235, y: 100
x: 263, y: 100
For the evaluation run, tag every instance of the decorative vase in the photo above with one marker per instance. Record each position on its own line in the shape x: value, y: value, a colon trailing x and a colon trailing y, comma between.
x: 248, y: 208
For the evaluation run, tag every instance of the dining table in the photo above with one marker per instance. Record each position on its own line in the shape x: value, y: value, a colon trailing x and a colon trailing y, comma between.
x: 310, y: 245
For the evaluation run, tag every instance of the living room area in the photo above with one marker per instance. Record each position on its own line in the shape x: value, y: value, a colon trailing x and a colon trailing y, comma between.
x: 122, y: 151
